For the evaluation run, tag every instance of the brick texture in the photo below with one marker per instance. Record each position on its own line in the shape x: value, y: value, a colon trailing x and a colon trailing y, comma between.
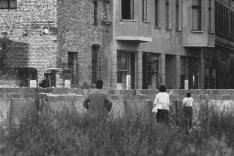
x: 27, y: 46
x: 77, y: 33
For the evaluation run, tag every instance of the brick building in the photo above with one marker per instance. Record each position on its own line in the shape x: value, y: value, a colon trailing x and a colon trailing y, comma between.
x: 24, y: 26
x: 127, y: 43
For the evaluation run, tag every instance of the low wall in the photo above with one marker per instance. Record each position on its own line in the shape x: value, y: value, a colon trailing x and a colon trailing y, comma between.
x: 126, y: 103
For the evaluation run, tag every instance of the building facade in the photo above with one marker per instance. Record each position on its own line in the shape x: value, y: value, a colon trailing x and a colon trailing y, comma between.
x: 127, y: 43
x: 170, y: 41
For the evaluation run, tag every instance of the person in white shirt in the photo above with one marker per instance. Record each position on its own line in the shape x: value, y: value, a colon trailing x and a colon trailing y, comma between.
x: 188, y: 111
x: 161, y: 105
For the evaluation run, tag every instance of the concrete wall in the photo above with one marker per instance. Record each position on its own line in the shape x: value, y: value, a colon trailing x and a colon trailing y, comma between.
x: 126, y: 103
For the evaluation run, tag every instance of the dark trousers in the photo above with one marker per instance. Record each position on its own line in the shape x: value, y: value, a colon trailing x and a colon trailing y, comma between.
x: 162, y: 115
x: 188, y: 114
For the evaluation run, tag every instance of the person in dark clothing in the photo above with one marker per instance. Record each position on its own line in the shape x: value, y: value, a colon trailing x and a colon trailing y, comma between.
x: 45, y: 82
x: 97, y: 103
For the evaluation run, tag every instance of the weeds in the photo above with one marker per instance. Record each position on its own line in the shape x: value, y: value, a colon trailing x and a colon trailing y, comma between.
x: 71, y: 134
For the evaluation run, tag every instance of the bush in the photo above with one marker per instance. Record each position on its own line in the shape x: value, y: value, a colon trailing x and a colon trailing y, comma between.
x: 69, y: 133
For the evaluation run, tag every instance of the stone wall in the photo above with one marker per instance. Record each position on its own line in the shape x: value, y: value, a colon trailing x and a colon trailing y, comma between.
x: 126, y: 103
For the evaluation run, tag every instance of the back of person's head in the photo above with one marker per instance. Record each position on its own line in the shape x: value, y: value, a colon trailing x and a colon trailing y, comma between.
x: 99, y: 84
x: 188, y: 94
x: 162, y: 88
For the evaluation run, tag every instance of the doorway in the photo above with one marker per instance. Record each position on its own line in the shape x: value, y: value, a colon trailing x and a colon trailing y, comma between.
x: 73, y: 66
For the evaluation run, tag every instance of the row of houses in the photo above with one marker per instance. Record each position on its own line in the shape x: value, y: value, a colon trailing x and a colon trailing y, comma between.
x: 127, y: 43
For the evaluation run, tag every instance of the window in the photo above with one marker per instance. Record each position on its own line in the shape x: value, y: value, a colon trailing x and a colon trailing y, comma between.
x: 156, y: 12
x: 144, y: 10
x: 73, y: 66
x: 125, y: 67
x: 225, y: 22
x: 95, y: 11
x: 232, y: 26
x: 8, y: 4
x: 196, y: 15
x: 150, y: 66
x: 222, y: 20
x: 177, y: 14
x: 167, y: 14
x: 127, y: 9
x: 217, y: 19
x: 210, y: 16
x: 95, y: 63
x: 107, y: 11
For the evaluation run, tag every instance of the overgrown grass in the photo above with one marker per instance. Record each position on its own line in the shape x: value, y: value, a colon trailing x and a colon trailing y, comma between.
x: 70, y: 134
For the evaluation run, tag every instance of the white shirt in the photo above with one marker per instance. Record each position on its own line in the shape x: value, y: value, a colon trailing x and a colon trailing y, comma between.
x: 188, y: 101
x: 162, y: 101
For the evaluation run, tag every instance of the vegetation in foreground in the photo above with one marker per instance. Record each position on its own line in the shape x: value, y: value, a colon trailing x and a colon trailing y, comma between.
x: 70, y: 134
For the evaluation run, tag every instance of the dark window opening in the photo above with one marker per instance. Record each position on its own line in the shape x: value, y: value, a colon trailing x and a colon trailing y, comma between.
x: 167, y: 14
x: 182, y: 79
x: 95, y: 3
x: 150, y: 67
x: 127, y: 9
x: 95, y: 63
x: 193, y: 72
x: 210, y: 17
x: 8, y: 4
x: 73, y: 66
x: 144, y: 10
x: 125, y: 67
x: 156, y: 13
x: 177, y: 14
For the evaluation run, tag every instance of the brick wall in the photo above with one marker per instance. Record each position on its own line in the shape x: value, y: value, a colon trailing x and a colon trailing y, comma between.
x: 27, y: 46
x: 77, y: 33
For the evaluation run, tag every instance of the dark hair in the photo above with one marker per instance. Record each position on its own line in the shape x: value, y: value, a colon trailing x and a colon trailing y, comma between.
x: 188, y: 94
x: 99, y: 84
x: 162, y: 88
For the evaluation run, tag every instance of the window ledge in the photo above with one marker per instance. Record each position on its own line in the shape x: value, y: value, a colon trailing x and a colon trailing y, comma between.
x: 127, y: 20
x: 212, y: 32
x: 157, y: 27
x: 106, y: 22
x: 169, y: 29
x: 147, y: 22
x: 8, y: 9
x: 197, y: 31
x: 178, y: 30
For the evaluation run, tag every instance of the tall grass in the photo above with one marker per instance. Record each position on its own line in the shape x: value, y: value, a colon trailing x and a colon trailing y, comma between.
x: 71, y: 134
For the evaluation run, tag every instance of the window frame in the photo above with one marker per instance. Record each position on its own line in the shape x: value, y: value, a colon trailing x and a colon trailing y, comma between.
x: 95, y: 70
x: 126, y: 67
x: 167, y: 14
x: 133, y: 11
x: 210, y: 9
x: 157, y: 13
x: 178, y: 15
x: 144, y: 10
x: 95, y: 12
x: 201, y: 18
x: 9, y: 6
